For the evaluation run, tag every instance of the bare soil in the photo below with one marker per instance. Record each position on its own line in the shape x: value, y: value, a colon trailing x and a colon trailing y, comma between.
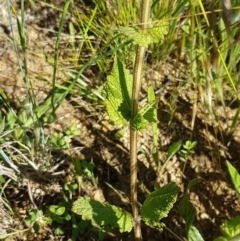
x: 214, y: 197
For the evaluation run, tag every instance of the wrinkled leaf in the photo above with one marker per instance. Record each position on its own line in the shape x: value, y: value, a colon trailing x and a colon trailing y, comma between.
x: 103, y: 215
x: 158, y: 204
x: 231, y: 228
x: 144, y: 116
x: 154, y: 34
x: 139, y: 123
x: 118, y: 88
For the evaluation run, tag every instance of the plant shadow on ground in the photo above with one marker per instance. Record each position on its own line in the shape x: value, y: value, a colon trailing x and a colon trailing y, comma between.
x: 213, y: 198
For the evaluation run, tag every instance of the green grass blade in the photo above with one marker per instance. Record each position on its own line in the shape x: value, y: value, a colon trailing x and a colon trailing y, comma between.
x: 152, y: 97
x: 63, y: 16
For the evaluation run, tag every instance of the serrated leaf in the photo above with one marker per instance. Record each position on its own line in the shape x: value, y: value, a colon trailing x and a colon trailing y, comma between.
x: 158, y: 31
x: 139, y: 123
x: 147, y: 111
x: 158, y: 204
x: 102, y: 214
x: 231, y: 228
x: 144, y: 116
x: 154, y: 34
x: 119, y: 91
x: 235, y: 177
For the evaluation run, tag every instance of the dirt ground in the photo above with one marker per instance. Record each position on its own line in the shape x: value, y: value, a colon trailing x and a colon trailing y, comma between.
x: 214, y: 197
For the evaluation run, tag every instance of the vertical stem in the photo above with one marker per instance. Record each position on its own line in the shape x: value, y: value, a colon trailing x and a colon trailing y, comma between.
x: 134, y: 110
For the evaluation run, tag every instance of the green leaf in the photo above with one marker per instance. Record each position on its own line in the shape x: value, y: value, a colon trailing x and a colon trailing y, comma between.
x: 231, y: 228
x: 235, y: 177
x: 144, y: 116
x: 87, y: 168
x: 194, y: 235
x: 103, y: 215
x: 52, y: 208
x: 187, y: 210
x: 59, y: 231
x: 2, y: 125
x: 119, y: 92
x: 147, y: 111
x: 60, y: 211
x: 139, y: 123
x: 32, y: 217
x: 220, y: 239
x: 154, y: 34
x: 173, y: 149
x: 152, y: 97
x: 192, y: 183
x: 158, y: 204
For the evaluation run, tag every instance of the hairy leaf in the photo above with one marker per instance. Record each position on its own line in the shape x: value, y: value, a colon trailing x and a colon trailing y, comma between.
x: 103, y: 215
x: 154, y: 34
x: 118, y: 88
x: 144, y: 116
x: 158, y: 204
x: 231, y: 228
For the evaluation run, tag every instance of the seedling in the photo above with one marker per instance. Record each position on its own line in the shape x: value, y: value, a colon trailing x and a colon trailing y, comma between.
x: 63, y: 139
x: 231, y: 228
x: 188, y: 213
x: 187, y: 150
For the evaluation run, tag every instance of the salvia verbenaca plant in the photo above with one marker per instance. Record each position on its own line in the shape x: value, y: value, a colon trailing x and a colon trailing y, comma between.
x: 122, y: 103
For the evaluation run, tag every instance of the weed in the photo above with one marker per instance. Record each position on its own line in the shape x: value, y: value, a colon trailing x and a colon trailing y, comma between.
x: 208, y: 40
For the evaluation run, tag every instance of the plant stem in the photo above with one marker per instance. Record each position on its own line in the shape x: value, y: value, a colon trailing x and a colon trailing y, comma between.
x: 134, y: 110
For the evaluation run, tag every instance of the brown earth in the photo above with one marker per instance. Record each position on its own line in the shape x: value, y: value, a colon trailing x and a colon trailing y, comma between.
x: 214, y: 197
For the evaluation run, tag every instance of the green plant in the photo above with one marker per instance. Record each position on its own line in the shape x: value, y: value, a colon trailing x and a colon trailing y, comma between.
x: 235, y: 177
x: 22, y: 130
x: 231, y: 228
x: 123, y: 108
x: 63, y: 139
x: 35, y: 219
x: 187, y: 212
x: 172, y: 150
x: 58, y: 216
x: 107, y: 217
x: 187, y: 150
